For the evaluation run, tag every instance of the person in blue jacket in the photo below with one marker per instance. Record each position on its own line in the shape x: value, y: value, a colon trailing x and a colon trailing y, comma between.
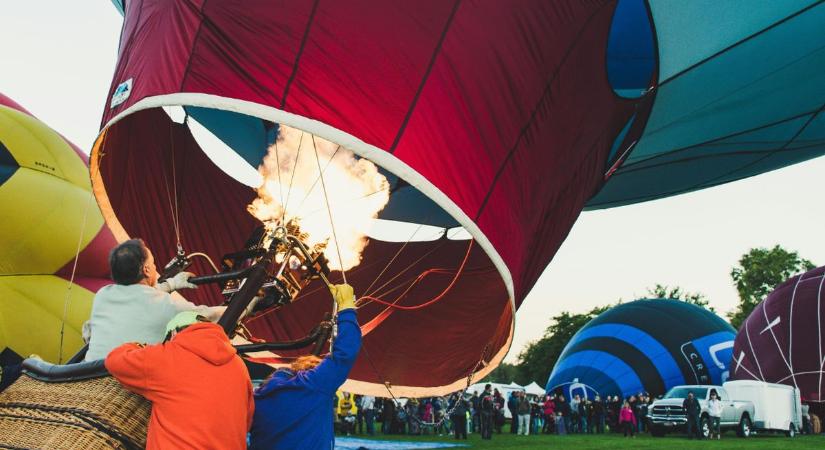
x: 293, y: 408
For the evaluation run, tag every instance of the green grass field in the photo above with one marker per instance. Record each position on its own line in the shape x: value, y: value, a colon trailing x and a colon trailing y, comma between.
x: 616, y: 441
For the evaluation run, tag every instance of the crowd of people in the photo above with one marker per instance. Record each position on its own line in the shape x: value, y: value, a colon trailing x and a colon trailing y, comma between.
x: 484, y: 413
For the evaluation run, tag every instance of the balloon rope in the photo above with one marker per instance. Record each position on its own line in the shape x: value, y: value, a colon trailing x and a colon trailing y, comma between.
x: 175, y: 187
x: 314, y: 183
x: 280, y: 183
x: 329, y: 211
x: 375, y: 280
x: 420, y: 277
x: 168, y: 193
x: 71, y: 279
x: 292, y: 178
x: 396, y: 276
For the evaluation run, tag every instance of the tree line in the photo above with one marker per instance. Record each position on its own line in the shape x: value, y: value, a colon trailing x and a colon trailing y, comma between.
x: 756, y: 274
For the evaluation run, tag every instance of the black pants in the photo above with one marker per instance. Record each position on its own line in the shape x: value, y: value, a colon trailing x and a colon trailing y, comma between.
x: 513, y: 422
x: 460, y: 426
x: 486, y: 425
x: 693, y: 429
x: 628, y: 428
x: 549, y: 422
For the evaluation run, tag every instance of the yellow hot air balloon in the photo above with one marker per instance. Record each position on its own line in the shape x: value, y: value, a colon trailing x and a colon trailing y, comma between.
x: 47, y: 217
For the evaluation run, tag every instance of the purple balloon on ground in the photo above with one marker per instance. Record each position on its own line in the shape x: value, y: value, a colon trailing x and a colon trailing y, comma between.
x: 782, y: 340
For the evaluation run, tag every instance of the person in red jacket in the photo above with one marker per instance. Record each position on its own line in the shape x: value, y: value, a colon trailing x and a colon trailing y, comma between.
x: 200, y: 389
x: 627, y: 419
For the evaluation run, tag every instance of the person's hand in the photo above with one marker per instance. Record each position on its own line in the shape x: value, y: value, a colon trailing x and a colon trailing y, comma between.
x: 344, y: 296
x: 179, y: 281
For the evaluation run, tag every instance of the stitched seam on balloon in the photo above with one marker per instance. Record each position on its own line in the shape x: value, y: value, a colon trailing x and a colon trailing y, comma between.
x: 304, y: 40
x: 194, y: 44
x: 630, y: 165
x: 740, y: 42
x: 544, y: 96
x: 424, y: 79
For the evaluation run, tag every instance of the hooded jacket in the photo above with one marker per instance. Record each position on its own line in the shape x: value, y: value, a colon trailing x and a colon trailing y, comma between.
x: 294, y: 410
x: 199, y: 388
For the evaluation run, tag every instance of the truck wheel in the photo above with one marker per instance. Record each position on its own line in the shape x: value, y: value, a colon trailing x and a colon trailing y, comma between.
x: 657, y: 431
x: 744, y: 428
x: 791, y: 430
x: 704, y: 427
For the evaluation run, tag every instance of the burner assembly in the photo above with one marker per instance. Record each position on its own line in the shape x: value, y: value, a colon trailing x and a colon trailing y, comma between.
x: 271, y: 270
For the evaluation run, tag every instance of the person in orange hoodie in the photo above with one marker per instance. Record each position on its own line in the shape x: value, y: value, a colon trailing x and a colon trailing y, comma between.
x: 200, y: 389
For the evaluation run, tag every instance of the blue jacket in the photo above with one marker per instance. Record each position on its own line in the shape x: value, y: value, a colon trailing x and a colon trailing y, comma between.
x: 294, y: 411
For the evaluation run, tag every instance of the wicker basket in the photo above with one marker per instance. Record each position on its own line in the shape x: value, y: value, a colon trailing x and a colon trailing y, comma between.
x: 90, y: 414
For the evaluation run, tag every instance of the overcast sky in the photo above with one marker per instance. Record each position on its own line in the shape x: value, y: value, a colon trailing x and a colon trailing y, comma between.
x: 58, y: 64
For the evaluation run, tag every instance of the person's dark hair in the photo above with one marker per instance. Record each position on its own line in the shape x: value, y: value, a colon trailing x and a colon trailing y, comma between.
x: 126, y: 261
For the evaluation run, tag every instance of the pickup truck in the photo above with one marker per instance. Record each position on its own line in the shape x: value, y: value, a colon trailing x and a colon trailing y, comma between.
x: 667, y: 414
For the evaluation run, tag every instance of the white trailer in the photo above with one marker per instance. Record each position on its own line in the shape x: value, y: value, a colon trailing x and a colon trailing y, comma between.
x: 777, y: 407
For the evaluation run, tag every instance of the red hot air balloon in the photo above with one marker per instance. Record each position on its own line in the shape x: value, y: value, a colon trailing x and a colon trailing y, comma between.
x: 457, y: 104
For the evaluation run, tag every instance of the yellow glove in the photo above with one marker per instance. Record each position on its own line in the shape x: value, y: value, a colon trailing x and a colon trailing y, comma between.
x: 344, y: 296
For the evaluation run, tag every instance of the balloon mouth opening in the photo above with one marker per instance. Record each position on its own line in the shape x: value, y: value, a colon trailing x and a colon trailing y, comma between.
x: 419, y: 251
x: 631, y: 50
x: 298, y: 174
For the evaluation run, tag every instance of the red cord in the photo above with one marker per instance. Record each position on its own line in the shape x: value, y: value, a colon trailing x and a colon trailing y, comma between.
x: 420, y: 277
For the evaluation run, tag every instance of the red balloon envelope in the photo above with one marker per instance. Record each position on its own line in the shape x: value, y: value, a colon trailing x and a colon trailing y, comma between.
x: 781, y: 340
x: 494, y: 117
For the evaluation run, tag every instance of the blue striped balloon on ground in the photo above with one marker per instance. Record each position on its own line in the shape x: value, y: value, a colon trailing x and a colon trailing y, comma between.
x: 645, y: 346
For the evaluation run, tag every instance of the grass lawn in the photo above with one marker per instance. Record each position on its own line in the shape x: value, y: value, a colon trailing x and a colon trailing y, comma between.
x: 612, y: 441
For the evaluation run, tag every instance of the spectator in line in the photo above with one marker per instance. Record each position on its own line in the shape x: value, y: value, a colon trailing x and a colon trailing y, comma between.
x: 549, y: 413
x: 438, y: 416
x: 613, y: 414
x: 692, y: 409
x: 644, y: 410
x: 411, y: 408
x: 627, y: 420
x: 562, y: 415
x: 512, y: 406
x: 475, y: 402
x: 387, y: 415
x: 459, y: 417
x: 368, y: 409
x: 536, y: 417
x: 487, y: 413
x: 359, y: 415
x: 598, y: 414
x: 523, y: 410
x: 715, y: 413
x: 347, y: 412
x: 585, y: 409
x: 499, y: 419
x: 573, y: 420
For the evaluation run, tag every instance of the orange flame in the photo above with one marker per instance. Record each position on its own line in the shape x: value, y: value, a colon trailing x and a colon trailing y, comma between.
x: 292, y: 189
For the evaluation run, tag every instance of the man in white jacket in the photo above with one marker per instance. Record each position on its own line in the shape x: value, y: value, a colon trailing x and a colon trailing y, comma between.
x: 136, y: 308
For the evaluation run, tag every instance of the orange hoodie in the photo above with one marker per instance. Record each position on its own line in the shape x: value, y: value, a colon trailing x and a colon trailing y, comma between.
x: 199, y: 388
